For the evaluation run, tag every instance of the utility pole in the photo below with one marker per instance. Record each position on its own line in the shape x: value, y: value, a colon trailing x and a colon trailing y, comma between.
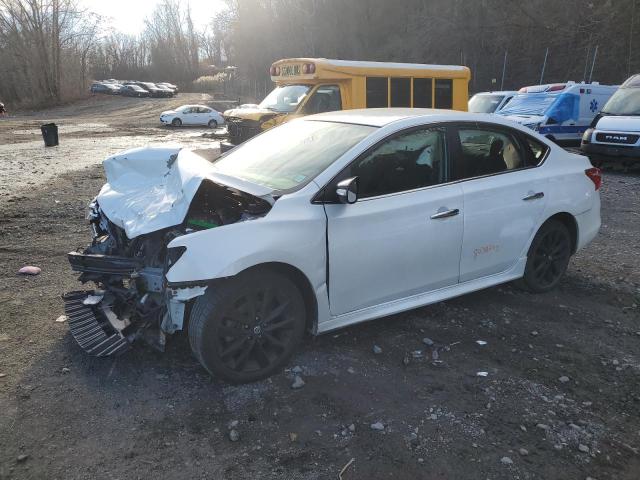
x: 586, y: 64
x: 595, y: 54
x: 504, y: 68
x: 544, y: 64
x: 633, y: 16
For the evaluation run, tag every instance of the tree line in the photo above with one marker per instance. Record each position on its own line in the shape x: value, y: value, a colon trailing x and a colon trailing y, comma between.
x: 50, y: 50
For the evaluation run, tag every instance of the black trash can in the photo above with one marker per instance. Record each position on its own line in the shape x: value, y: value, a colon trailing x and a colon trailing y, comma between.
x: 50, y: 134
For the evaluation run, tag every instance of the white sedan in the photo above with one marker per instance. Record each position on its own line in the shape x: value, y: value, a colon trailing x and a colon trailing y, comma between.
x: 324, y: 222
x: 192, y: 115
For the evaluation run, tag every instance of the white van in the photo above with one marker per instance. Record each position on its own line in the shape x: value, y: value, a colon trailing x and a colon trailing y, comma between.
x: 615, y: 131
x: 560, y: 111
x: 490, y: 102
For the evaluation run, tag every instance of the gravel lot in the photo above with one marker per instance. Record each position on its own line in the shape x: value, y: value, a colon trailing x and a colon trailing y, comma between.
x: 561, y: 398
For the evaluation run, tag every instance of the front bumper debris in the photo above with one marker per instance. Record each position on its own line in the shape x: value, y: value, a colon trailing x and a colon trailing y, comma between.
x: 90, y: 326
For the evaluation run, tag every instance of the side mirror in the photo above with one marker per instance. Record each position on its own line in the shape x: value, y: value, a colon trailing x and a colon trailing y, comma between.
x: 347, y: 190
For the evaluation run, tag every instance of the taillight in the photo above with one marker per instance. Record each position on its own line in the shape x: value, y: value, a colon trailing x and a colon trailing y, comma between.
x: 277, y: 71
x: 308, y: 68
x: 595, y: 175
x: 272, y: 71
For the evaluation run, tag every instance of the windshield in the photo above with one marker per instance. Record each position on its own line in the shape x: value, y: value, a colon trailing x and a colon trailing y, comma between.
x: 626, y: 101
x: 285, y: 99
x: 484, y: 103
x: 529, y: 104
x: 289, y: 156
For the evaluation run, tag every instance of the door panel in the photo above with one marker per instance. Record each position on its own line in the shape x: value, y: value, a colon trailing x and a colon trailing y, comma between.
x: 387, y: 248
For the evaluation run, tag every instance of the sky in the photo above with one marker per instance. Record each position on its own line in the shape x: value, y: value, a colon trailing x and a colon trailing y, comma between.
x: 128, y: 16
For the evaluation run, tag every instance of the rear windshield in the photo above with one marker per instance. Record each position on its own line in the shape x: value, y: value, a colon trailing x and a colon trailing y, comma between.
x: 289, y: 156
x: 484, y: 103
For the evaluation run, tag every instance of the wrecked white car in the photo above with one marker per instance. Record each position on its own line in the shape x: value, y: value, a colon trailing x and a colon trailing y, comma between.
x: 321, y: 223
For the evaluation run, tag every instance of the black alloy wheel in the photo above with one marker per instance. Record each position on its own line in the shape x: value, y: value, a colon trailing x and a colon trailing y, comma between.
x: 247, y: 328
x: 548, y: 257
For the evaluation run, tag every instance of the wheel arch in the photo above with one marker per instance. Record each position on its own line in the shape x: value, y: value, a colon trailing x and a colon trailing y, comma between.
x: 301, y: 281
x: 569, y: 221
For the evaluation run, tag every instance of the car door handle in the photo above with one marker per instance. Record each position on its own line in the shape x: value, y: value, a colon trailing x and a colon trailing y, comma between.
x: 445, y: 214
x: 533, y: 196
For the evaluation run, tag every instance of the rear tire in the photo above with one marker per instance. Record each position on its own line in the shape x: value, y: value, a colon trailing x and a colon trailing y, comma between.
x: 547, y: 259
x: 176, y: 122
x: 246, y: 328
x: 213, y: 124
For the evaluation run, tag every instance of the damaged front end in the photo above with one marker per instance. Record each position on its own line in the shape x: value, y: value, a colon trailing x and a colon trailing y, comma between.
x: 128, y: 264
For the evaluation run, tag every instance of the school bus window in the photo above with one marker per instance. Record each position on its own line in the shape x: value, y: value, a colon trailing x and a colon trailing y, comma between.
x: 400, y: 92
x: 422, y: 92
x: 325, y: 99
x: 444, y: 93
x: 377, y: 92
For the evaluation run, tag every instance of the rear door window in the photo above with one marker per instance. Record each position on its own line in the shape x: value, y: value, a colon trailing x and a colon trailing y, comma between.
x: 400, y: 92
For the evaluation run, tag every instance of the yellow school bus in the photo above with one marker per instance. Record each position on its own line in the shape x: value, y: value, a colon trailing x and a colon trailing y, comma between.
x: 305, y: 86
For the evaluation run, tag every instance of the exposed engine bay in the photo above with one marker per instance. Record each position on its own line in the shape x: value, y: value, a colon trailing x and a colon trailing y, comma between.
x: 132, y: 299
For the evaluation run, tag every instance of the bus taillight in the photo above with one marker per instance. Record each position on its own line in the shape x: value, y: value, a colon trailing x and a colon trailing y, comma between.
x: 309, y: 68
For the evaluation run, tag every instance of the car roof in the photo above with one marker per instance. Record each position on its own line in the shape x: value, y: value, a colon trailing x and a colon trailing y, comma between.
x: 379, y: 117
x: 498, y: 92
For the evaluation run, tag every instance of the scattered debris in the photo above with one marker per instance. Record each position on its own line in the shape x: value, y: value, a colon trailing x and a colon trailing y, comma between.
x: 352, y: 428
x: 22, y: 458
x: 297, y: 370
x: 344, y: 469
x: 534, y: 333
x: 2, y: 375
x: 583, y: 448
x: 406, y: 360
x: 293, y: 436
x: 417, y: 354
x: 233, y: 424
x: 298, y: 382
x: 427, y: 341
x: 481, y: 342
x: 482, y: 374
x: 234, y: 436
x: 542, y: 426
x: 563, y: 379
x: 65, y: 370
x: 351, y: 370
x: 93, y: 299
x: 4, y: 337
x: 377, y: 350
x: 377, y: 426
x: 30, y: 270
x: 524, y: 452
x: 61, y: 319
x: 506, y: 461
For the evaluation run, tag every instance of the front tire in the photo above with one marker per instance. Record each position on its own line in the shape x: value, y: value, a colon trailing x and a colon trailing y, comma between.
x: 547, y: 259
x: 247, y: 328
x: 176, y: 122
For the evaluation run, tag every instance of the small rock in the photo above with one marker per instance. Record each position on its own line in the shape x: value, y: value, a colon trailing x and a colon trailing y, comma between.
x: 30, y: 270
x: 65, y: 370
x: 615, y: 362
x: 4, y: 337
x: 2, y: 375
x: 523, y: 428
x: 61, y: 319
x: 234, y: 436
x: 583, y: 448
x: 352, y: 428
x: 427, y: 341
x: 420, y: 460
x: 233, y: 424
x: 534, y: 333
x: 406, y: 360
x: 161, y: 376
x: 297, y: 370
x: 482, y: 374
x: 377, y: 426
x: 351, y: 370
x: 506, y: 461
x: 542, y: 426
x: 293, y: 436
x: 563, y: 379
x: 298, y: 382
x: 22, y: 458
x: 481, y: 342
x: 377, y: 350
x: 524, y: 452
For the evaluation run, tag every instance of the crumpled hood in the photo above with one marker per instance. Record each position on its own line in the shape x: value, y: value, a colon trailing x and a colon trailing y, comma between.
x: 614, y: 123
x: 249, y: 113
x: 526, y: 119
x: 151, y: 188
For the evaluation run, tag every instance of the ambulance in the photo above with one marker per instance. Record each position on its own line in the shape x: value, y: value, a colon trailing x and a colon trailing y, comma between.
x: 560, y: 111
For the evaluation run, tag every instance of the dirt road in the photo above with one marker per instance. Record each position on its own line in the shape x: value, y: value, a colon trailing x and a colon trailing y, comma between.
x: 561, y: 398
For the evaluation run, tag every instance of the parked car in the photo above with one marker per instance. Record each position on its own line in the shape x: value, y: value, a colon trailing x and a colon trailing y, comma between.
x: 132, y: 90
x: 153, y: 90
x: 560, y: 111
x: 166, y: 91
x: 320, y: 223
x: 490, y: 102
x: 192, y: 115
x: 104, y: 88
x: 169, y: 85
x: 614, y: 134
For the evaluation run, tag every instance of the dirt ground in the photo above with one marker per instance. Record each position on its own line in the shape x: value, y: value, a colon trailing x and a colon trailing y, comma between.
x: 64, y: 415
